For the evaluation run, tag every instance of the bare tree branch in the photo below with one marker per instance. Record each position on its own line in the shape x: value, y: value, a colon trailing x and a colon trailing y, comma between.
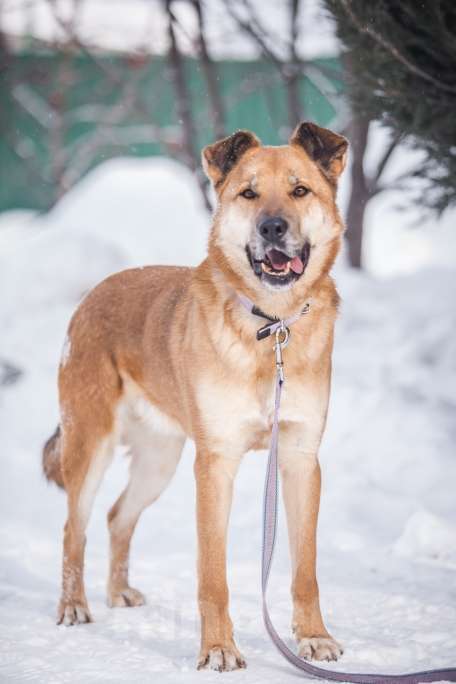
x: 83, y: 48
x: 33, y: 104
x: 252, y: 29
x: 291, y: 67
x: 373, y: 183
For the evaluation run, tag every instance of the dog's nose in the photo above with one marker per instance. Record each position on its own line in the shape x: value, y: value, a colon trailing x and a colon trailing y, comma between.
x: 273, y: 228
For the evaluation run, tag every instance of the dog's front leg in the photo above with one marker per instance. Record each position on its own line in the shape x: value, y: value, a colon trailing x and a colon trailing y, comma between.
x: 300, y: 471
x: 214, y: 485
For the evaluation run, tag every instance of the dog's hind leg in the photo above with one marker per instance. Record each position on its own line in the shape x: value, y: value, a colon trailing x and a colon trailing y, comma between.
x: 154, y: 458
x: 84, y: 460
x: 90, y: 389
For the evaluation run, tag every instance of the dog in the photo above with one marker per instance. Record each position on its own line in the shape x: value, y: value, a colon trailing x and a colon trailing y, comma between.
x: 157, y: 354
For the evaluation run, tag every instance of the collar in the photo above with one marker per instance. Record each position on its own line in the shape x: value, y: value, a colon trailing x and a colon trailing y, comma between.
x: 274, y: 323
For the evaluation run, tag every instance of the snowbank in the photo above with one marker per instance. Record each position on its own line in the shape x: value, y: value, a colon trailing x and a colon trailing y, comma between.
x: 428, y: 536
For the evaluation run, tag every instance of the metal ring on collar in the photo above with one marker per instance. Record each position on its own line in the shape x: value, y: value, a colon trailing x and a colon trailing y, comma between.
x: 282, y: 335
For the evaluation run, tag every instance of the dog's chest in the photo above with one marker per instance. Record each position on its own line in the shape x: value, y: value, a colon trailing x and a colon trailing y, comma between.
x: 239, y: 411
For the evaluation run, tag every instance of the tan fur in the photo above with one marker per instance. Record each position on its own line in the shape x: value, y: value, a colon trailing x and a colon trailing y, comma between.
x: 160, y: 353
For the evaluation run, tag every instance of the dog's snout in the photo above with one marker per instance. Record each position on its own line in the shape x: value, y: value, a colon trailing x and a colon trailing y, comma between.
x: 272, y: 228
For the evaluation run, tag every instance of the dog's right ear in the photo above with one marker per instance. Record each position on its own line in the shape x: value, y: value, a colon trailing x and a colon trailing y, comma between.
x: 223, y: 155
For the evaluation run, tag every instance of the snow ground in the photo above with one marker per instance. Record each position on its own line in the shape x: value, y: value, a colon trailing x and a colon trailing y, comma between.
x: 387, y: 552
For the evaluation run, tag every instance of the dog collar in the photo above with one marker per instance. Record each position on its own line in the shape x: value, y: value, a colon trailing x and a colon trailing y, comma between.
x: 274, y: 323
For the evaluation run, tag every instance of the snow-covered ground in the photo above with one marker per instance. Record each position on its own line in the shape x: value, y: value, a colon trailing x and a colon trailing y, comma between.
x: 387, y: 535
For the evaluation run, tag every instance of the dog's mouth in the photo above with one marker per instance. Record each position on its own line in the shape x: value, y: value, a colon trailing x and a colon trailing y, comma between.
x: 277, y: 267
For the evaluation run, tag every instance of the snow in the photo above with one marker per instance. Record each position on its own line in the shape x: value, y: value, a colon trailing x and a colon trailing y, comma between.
x: 388, y: 520
x: 428, y: 535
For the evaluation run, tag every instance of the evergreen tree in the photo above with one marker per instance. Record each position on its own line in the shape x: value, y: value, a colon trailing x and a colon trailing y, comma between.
x: 401, y: 69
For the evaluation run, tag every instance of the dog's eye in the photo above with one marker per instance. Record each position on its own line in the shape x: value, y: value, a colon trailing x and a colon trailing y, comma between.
x: 249, y: 194
x: 300, y: 191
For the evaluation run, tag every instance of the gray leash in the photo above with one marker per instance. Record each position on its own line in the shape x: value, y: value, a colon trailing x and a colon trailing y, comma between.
x: 282, y: 334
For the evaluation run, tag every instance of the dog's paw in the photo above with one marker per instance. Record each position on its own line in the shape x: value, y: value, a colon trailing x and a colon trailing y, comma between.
x: 221, y: 659
x: 125, y: 598
x: 319, y: 648
x: 73, y: 613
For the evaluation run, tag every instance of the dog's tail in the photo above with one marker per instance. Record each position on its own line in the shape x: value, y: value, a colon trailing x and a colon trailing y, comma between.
x: 52, y: 466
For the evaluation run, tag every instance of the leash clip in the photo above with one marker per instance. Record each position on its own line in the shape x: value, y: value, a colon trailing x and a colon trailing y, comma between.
x: 282, y: 336
x: 264, y: 332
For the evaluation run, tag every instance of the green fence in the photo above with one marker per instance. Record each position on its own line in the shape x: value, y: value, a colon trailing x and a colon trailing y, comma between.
x: 53, y: 104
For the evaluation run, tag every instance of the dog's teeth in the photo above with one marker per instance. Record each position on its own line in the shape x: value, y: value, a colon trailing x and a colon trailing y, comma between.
x: 277, y: 274
x: 266, y: 269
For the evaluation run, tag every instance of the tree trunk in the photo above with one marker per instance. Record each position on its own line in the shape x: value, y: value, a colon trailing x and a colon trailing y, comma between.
x: 184, y: 108
x: 360, y: 194
x: 292, y: 86
x: 216, y: 113
x: 293, y: 71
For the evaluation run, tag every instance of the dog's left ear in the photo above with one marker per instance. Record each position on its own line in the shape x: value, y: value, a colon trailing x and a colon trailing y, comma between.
x: 219, y: 158
x: 327, y: 149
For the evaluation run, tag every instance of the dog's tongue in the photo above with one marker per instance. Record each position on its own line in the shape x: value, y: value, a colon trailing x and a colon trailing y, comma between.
x: 296, y: 265
x: 278, y: 259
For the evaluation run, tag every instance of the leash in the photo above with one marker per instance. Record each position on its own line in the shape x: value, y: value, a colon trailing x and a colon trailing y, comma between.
x: 282, y: 336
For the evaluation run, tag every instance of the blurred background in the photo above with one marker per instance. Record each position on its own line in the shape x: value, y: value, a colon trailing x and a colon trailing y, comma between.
x: 104, y: 108
x: 158, y: 78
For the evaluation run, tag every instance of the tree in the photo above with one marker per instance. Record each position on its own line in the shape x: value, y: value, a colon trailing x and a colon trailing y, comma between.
x: 364, y: 187
x: 401, y: 72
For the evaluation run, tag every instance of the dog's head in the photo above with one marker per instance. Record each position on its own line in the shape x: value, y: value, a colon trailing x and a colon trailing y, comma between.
x: 276, y: 226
